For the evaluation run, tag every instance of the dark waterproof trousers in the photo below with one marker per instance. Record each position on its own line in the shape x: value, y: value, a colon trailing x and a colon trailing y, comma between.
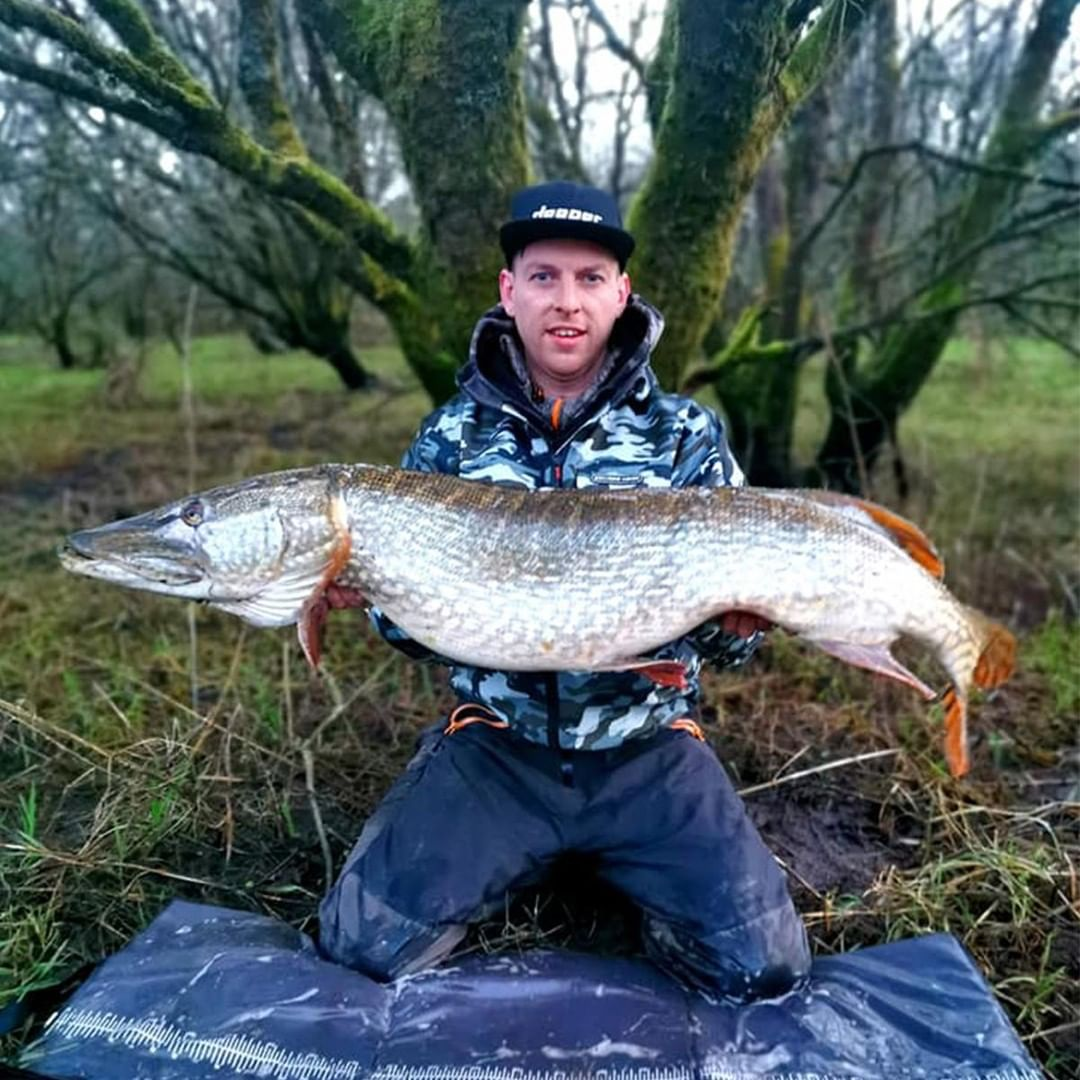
x: 482, y: 811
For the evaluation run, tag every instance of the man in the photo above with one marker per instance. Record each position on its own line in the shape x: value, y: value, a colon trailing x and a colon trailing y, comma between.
x: 558, y: 392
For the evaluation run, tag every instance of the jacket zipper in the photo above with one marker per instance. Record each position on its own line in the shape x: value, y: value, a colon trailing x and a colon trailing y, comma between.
x: 551, y: 682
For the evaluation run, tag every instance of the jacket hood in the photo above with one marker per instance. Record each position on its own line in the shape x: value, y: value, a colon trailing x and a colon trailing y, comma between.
x: 496, y: 375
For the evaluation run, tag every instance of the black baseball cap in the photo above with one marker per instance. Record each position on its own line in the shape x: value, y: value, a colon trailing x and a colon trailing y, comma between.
x: 561, y: 210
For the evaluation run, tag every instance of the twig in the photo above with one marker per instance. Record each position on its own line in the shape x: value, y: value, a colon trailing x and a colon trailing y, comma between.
x: 1041, y: 328
x: 52, y: 733
x: 187, y: 410
x: 792, y: 872
x: 615, y: 43
x: 309, y: 784
x: 791, y: 761
x: 1068, y: 1026
x: 286, y: 691
x: 841, y: 378
x: 341, y: 704
x: 976, y: 501
x: 67, y: 859
x: 230, y: 679
x: 828, y: 766
x: 228, y: 824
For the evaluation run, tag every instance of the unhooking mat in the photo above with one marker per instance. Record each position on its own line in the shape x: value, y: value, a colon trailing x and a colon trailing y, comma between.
x: 205, y: 992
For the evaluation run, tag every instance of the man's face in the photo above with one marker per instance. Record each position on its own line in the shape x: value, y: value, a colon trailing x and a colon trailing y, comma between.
x: 564, y: 296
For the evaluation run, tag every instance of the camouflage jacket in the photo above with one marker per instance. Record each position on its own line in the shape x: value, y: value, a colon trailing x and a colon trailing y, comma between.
x: 626, y: 433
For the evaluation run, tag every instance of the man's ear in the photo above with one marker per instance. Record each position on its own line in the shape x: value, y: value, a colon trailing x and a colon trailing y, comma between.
x: 624, y: 289
x: 506, y: 290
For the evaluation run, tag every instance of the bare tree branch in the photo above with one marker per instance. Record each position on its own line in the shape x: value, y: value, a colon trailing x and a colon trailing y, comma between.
x: 569, y: 132
x: 341, y: 126
x: 200, y: 125
x: 131, y: 26
x: 1041, y: 328
x: 799, y: 349
x: 619, y: 47
x: 70, y: 86
x: 186, y: 95
x: 930, y: 152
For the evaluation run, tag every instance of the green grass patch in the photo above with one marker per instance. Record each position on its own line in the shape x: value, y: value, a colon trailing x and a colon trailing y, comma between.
x: 1053, y: 650
x: 50, y: 418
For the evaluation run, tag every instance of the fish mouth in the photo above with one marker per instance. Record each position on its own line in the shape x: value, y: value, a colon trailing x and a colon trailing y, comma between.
x: 79, y: 555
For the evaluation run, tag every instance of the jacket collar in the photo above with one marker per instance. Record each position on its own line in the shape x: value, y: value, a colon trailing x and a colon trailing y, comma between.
x: 496, y: 375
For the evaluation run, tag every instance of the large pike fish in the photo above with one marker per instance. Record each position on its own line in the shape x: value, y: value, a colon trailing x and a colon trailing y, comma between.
x: 557, y: 580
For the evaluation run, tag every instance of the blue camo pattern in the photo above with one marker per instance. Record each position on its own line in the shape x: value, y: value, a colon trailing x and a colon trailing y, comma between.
x: 642, y: 437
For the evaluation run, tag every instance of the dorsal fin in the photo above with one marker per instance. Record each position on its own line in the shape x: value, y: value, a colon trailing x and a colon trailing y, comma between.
x: 901, y: 531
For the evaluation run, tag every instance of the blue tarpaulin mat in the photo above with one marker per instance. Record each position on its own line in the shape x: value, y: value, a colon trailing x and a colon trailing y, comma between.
x: 205, y: 993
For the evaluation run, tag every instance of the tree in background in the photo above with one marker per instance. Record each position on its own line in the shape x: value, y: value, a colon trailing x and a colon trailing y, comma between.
x: 56, y: 261
x: 450, y: 78
x: 242, y: 248
x: 933, y: 210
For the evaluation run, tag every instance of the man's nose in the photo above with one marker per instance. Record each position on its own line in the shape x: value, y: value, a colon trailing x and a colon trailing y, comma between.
x: 567, y: 298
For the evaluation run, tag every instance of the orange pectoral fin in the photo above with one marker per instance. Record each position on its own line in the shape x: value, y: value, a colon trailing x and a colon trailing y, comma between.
x: 309, y: 627
x: 956, y: 753
x: 327, y: 595
x: 661, y: 672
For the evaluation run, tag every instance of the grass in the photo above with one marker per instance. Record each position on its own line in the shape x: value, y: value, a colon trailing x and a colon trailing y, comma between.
x: 125, y: 782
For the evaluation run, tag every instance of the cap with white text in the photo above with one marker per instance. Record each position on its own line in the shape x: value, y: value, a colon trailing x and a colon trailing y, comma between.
x: 561, y: 210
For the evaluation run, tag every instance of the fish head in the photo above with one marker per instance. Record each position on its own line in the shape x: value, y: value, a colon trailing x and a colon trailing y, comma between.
x: 256, y: 549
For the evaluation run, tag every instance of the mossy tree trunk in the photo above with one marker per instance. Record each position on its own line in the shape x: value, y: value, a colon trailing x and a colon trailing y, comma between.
x: 450, y: 74
x: 737, y: 71
x: 761, y: 400
x: 877, y: 182
x: 866, y: 404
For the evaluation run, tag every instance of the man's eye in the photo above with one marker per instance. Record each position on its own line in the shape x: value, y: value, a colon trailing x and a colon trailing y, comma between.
x: 540, y: 275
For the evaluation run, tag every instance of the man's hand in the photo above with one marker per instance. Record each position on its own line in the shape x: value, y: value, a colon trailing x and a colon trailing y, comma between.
x: 743, y: 624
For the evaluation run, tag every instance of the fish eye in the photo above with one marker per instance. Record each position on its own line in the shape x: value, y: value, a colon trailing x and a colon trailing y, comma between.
x: 192, y: 514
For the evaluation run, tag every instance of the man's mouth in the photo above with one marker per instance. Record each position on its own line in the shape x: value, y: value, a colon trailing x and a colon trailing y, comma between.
x: 566, y: 333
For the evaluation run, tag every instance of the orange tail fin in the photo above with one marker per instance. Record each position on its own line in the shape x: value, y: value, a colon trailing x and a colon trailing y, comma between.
x: 994, y: 666
x: 998, y: 656
x: 956, y: 753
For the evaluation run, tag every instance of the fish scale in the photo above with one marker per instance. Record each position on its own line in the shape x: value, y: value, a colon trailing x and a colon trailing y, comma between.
x: 565, y: 566
x: 593, y: 580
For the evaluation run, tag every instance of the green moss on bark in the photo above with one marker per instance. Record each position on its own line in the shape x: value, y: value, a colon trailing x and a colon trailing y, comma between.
x: 733, y: 86
x: 451, y: 79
